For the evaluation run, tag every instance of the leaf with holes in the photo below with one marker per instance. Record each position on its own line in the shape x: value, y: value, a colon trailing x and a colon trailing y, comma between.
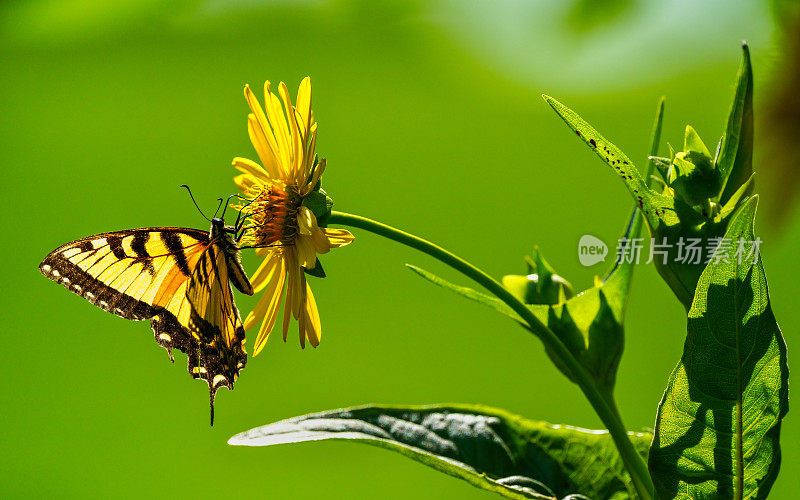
x: 487, y: 447
x: 670, y: 220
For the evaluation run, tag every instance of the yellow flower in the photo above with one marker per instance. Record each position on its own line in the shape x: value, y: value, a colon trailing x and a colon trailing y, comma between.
x: 280, y: 226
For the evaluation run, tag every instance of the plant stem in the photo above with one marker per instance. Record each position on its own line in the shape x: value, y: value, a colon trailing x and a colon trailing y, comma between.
x: 603, y: 404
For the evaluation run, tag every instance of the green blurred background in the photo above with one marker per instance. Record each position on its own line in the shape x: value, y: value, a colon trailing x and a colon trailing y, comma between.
x: 431, y: 120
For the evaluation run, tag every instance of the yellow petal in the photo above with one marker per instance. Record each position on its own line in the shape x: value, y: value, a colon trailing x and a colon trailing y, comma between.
x: 304, y: 105
x: 305, y: 220
x: 306, y: 254
x: 307, y: 224
x: 258, y: 140
x: 246, y: 182
x: 293, y: 273
x: 313, y: 325
x: 321, y: 243
x: 280, y: 129
x: 266, y: 272
x: 295, y: 144
x: 299, y: 293
x: 338, y: 237
x: 250, y: 167
x: 274, y: 294
x: 318, y: 171
x: 302, y: 328
x: 256, y: 313
x: 260, y: 132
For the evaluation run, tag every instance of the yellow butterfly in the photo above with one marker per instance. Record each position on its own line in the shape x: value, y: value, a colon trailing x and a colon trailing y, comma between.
x: 176, y: 277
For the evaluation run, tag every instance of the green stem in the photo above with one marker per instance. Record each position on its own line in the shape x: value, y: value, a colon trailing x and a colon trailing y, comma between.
x: 603, y: 404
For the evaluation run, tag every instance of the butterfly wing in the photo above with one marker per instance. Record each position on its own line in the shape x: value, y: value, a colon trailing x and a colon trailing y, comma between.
x: 215, y: 320
x: 145, y: 273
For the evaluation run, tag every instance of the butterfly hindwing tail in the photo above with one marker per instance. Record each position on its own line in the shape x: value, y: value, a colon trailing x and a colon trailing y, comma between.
x: 177, y: 278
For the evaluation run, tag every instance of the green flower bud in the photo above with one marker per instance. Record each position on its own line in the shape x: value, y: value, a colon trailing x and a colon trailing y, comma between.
x: 693, y: 176
x: 541, y: 286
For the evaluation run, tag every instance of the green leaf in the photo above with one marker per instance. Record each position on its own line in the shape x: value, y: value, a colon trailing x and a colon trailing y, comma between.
x: 740, y: 195
x: 653, y: 205
x: 489, y: 448
x: 718, y: 425
x: 670, y: 220
x: 736, y: 155
x: 465, y: 291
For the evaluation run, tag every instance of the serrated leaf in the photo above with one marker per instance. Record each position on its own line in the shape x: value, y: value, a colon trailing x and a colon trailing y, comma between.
x: 489, y: 448
x: 736, y: 155
x: 718, y: 426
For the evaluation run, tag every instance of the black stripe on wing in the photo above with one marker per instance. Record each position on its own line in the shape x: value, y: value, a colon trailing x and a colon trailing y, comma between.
x: 213, y: 361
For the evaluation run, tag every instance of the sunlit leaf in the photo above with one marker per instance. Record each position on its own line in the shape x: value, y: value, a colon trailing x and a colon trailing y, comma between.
x: 489, y: 448
x: 671, y: 220
x: 736, y: 156
x: 718, y: 426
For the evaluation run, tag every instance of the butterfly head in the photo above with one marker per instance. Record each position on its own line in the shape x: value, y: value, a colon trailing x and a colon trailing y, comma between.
x: 218, y: 228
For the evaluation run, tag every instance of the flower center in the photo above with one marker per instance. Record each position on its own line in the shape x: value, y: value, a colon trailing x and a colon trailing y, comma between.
x: 274, y: 216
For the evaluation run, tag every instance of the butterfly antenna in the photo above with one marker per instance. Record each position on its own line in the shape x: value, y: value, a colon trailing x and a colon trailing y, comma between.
x: 217, y: 210
x: 227, y: 202
x: 195, y: 202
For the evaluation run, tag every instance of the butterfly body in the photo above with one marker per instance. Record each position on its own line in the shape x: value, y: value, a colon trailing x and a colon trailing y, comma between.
x: 178, y: 278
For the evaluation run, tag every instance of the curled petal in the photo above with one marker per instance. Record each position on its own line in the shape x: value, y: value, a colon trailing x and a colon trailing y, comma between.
x: 306, y: 254
x: 338, y: 237
x: 246, y: 182
x: 307, y: 223
x: 250, y: 167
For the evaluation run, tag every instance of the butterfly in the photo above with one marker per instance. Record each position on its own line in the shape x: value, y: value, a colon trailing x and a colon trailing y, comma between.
x: 178, y: 278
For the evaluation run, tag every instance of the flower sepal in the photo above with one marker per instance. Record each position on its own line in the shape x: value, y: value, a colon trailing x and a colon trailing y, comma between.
x: 320, y: 205
x: 317, y: 271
